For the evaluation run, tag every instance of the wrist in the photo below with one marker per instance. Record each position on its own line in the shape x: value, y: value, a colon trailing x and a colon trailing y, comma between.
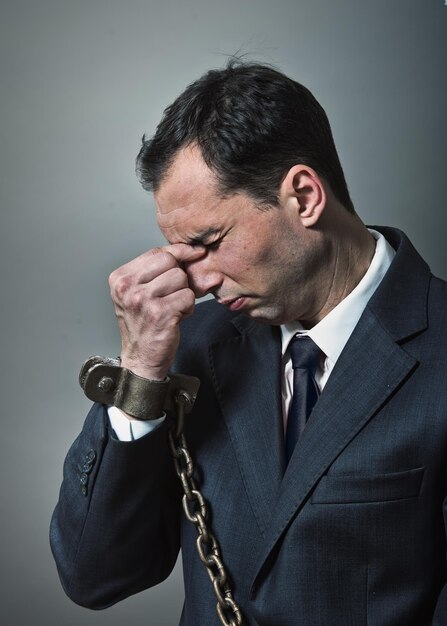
x: 156, y: 374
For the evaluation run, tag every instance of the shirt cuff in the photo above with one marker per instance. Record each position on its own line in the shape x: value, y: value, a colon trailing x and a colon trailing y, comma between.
x: 129, y: 430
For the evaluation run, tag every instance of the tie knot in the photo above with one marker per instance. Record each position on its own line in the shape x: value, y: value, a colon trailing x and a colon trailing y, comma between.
x: 304, y: 352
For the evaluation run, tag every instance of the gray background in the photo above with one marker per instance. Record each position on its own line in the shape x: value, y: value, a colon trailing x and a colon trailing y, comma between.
x: 81, y: 80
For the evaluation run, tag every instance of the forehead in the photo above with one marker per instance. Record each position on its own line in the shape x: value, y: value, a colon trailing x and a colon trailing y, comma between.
x: 187, y: 193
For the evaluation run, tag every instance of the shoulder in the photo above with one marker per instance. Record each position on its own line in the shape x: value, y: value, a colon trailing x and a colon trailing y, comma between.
x: 438, y: 289
x: 437, y: 302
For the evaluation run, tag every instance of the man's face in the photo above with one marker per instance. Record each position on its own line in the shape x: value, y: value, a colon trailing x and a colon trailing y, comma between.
x: 260, y: 262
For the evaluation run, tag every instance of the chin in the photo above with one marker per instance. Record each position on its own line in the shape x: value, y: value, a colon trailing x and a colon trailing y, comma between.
x: 263, y: 316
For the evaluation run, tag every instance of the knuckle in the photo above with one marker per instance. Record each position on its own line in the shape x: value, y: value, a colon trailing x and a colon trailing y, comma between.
x: 167, y: 259
x: 119, y: 286
x: 113, y: 277
x: 156, y: 250
x: 158, y: 311
x: 135, y: 300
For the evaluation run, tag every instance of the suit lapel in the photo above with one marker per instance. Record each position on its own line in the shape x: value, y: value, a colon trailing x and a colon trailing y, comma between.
x: 247, y: 378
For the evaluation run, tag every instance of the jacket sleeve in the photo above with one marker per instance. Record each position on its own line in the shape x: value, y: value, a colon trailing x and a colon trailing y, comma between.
x: 115, y: 529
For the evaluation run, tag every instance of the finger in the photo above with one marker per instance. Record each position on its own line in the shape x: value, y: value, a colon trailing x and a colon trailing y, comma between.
x: 183, y: 252
x: 155, y: 262
x: 161, y: 260
x: 171, y: 281
x: 140, y: 270
x: 164, y: 313
x: 183, y: 301
x: 142, y: 295
x: 149, y: 266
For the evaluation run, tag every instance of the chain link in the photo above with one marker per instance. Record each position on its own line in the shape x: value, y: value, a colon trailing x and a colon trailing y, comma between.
x: 196, y: 511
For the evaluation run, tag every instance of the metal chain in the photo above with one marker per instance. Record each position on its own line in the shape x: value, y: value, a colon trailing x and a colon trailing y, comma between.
x: 196, y: 511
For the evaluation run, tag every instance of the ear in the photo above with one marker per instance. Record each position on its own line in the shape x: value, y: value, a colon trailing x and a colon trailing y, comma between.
x: 303, y: 189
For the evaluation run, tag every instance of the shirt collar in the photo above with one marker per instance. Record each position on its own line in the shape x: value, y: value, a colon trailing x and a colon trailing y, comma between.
x: 333, y: 331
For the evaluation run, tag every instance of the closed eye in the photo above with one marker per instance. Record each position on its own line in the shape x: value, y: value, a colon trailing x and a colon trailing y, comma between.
x: 213, y: 245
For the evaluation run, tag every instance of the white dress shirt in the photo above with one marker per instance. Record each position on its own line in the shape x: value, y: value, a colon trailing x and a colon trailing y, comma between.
x: 330, y: 335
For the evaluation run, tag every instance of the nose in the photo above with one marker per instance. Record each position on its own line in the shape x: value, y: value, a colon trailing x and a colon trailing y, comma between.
x: 202, y: 277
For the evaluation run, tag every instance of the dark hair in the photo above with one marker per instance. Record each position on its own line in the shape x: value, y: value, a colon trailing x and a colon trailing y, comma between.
x: 252, y: 124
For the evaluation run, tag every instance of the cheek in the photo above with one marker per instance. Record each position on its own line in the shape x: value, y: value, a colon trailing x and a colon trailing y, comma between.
x: 236, y: 262
x: 252, y: 264
x: 231, y: 261
x: 249, y: 256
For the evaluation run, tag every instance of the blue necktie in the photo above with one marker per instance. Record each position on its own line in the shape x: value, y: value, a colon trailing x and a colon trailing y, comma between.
x: 305, y: 356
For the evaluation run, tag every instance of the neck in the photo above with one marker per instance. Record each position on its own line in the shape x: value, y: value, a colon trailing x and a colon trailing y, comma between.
x: 351, y: 249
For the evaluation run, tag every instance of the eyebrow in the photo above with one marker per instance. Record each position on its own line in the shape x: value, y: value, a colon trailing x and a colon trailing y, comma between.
x: 202, y: 236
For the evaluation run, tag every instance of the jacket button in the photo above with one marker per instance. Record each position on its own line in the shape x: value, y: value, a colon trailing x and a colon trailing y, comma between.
x: 83, y: 478
x: 90, y: 457
x: 84, y: 490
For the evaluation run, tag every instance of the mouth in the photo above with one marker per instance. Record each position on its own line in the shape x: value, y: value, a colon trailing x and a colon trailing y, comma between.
x: 234, y: 304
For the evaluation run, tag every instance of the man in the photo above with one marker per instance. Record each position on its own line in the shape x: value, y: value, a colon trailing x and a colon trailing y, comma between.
x: 327, y: 510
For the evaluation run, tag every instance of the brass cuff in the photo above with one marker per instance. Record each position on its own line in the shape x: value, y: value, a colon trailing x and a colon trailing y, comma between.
x: 104, y: 381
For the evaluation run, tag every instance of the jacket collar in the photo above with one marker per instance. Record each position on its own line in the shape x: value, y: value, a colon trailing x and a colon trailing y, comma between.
x: 400, y: 303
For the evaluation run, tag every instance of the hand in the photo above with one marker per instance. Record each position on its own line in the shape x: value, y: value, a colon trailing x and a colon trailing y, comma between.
x: 151, y: 296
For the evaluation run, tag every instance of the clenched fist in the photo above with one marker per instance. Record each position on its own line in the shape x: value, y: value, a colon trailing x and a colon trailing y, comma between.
x: 151, y: 296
